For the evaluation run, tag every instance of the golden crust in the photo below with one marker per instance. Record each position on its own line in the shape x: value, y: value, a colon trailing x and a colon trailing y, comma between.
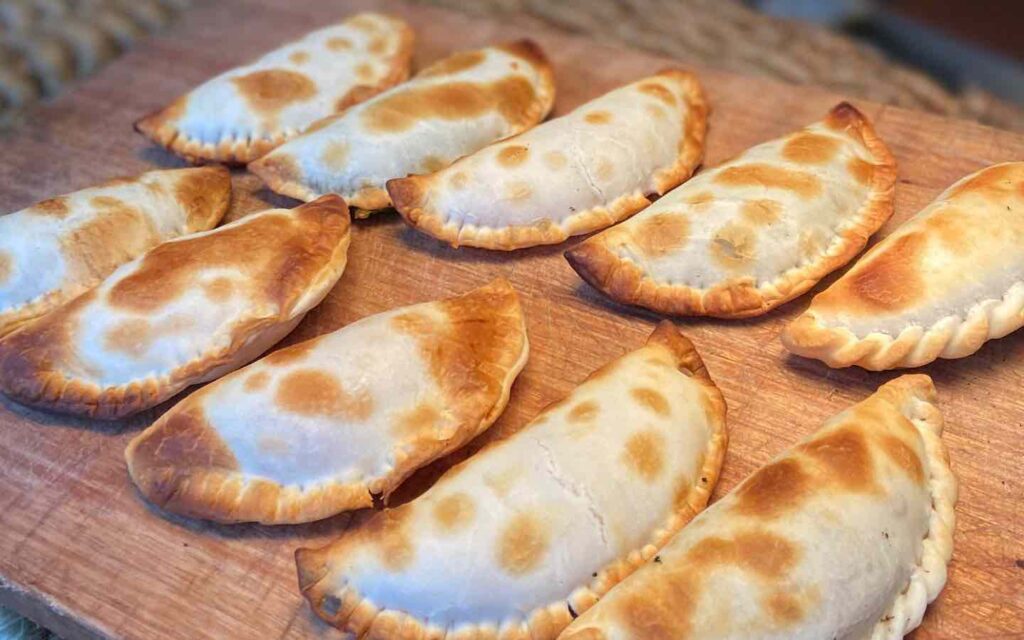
x: 625, y: 281
x: 181, y: 464
x: 160, y: 128
x: 409, y: 195
x: 30, y: 358
x: 354, y: 613
x: 204, y: 195
x: 283, y: 176
x: 892, y: 278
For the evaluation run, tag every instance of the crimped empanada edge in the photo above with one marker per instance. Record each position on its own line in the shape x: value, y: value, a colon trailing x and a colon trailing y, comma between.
x: 243, y: 150
x: 350, y: 611
x: 410, y: 195
x: 625, y: 282
x: 52, y: 391
x: 915, y: 398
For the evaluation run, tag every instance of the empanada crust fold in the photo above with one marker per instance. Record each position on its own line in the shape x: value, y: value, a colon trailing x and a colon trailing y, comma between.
x: 466, y: 82
x: 184, y: 464
x: 417, y: 197
x: 627, y: 281
x: 269, y: 94
x: 792, y: 551
x: 281, y: 264
x: 395, y: 540
x: 940, y: 286
x: 57, y: 249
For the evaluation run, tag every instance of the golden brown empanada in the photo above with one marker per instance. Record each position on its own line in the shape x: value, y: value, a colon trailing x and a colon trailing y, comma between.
x: 846, y: 537
x: 241, y: 114
x: 578, y: 173
x: 332, y: 423
x: 59, y: 248
x: 188, y: 311
x: 940, y: 286
x: 510, y: 543
x: 748, y: 235
x: 452, y: 108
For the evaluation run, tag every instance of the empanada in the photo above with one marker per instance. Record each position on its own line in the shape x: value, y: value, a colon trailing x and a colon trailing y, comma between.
x: 844, y: 537
x: 578, y: 173
x: 241, y: 114
x: 332, y: 423
x: 755, y: 232
x: 940, y: 286
x: 452, y: 108
x: 509, y: 544
x: 188, y: 311
x: 59, y: 248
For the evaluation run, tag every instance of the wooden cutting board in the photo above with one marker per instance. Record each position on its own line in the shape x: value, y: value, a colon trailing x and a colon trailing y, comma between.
x: 81, y: 553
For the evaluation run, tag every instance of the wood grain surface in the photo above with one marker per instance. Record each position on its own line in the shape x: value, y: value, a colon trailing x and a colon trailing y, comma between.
x: 81, y: 553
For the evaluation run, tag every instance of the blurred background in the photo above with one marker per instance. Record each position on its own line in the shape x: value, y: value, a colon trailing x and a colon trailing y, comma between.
x: 960, y: 58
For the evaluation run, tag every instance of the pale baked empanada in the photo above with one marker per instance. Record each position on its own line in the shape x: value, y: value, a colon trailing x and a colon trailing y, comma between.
x: 940, y: 286
x: 241, y: 114
x: 578, y: 173
x: 452, y: 108
x: 844, y: 537
x: 331, y: 424
x: 755, y: 232
x: 187, y: 311
x: 511, y: 543
x: 59, y: 248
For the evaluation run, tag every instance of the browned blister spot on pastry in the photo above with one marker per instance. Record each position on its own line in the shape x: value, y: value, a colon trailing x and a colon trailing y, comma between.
x: 502, y: 482
x: 659, y: 91
x: 700, y: 201
x: 400, y: 111
x: 387, y: 535
x: 420, y: 421
x: 644, y: 454
x: 56, y: 207
x: 299, y: 57
x: 364, y: 72
x: 651, y: 399
x: 517, y: 190
x: 219, y: 289
x: 598, y: 117
x: 661, y: 233
x: 280, y: 165
x: 312, y: 392
x: 454, y: 511
x: 454, y: 63
x: 774, y: 489
x: 903, y: 456
x: 526, y: 50
x: 512, y: 155
x: 290, y: 355
x: 335, y: 155
x: 129, y: 337
x: 256, y: 381
x: 583, y: 412
x: 378, y: 45
x: 278, y: 253
x: 339, y: 44
x: 205, y: 194
x: 997, y: 182
x: 430, y: 164
x: 605, y: 170
x: 844, y: 460
x: 761, y: 212
x: 861, y: 170
x: 783, y: 608
x: 459, y: 180
x: 803, y: 184
x: 522, y: 544
x: 886, y: 280
x: 810, y: 148
x: 6, y: 267
x: 270, y: 90
x: 116, y: 235
x: 733, y: 246
x: 765, y: 555
x: 555, y: 160
x: 656, y: 111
